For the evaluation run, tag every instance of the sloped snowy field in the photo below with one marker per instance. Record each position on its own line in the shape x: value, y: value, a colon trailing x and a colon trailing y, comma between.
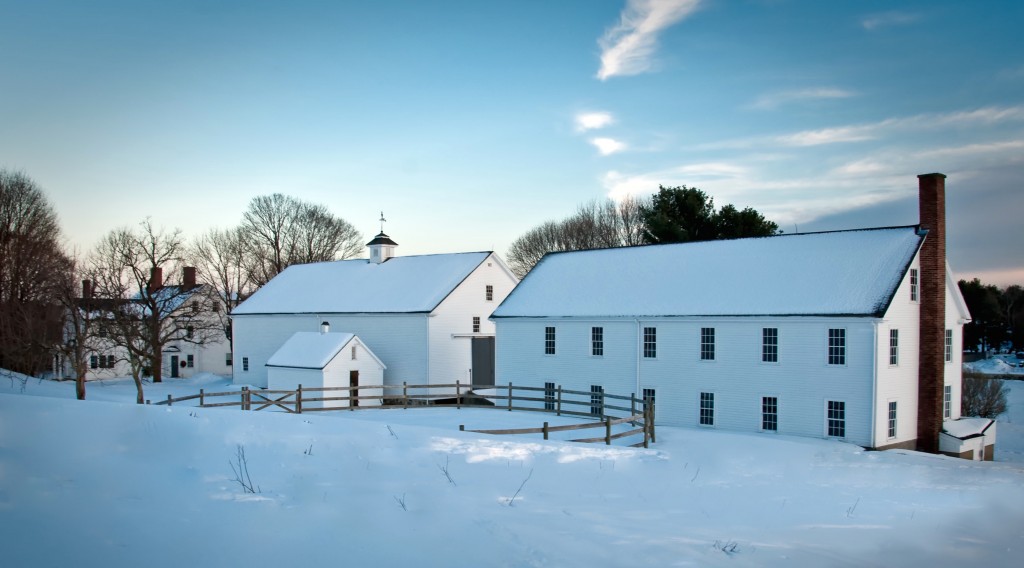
x: 109, y: 483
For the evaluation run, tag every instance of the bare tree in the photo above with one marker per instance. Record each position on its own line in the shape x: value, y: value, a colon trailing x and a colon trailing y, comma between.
x: 147, y: 312
x: 220, y: 259
x: 83, y: 318
x: 281, y: 231
x: 983, y: 396
x: 31, y: 267
x: 597, y: 224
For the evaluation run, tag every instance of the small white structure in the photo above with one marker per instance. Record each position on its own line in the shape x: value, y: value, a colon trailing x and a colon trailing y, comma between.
x: 327, y: 359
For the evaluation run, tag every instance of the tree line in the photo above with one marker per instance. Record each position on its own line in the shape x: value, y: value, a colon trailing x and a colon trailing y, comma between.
x: 143, y: 287
x: 997, y: 316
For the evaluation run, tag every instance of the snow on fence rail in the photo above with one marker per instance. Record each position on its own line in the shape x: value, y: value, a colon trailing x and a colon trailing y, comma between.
x: 558, y: 401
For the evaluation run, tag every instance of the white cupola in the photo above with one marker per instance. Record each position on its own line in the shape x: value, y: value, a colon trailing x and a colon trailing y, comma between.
x: 381, y: 247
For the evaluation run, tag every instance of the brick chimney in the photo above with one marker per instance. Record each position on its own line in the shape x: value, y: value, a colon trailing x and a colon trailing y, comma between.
x: 156, y: 279
x: 188, y: 279
x: 86, y: 289
x: 931, y: 369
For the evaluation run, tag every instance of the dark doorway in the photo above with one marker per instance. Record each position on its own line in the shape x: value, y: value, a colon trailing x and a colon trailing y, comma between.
x: 483, y: 361
x: 174, y: 366
x: 353, y: 381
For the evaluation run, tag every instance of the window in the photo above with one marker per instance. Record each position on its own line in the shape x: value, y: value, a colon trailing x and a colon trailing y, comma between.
x: 836, y: 346
x: 707, y: 409
x: 650, y: 342
x: 894, y: 347
x: 190, y: 361
x: 189, y: 331
x: 549, y: 341
x: 913, y: 285
x: 353, y: 352
x: 597, y: 341
x: 597, y: 400
x: 707, y: 344
x: 892, y: 419
x: 949, y: 345
x: 227, y: 359
x: 769, y: 413
x: 549, y: 396
x: 947, y: 401
x: 489, y: 293
x: 649, y: 396
x: 94, y: 362
x: 836, y: 419
x: 476, y: 324
x: 770, y: 345
x: 245, y: 363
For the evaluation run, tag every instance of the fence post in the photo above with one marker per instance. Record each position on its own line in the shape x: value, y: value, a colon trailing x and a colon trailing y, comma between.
x: 510, y: 397
x: 462, y: 427
x: 632, y: 406
x: 246, y: 398
x: 405, y: 395
x: 647, y: 425
x: 559, y: 411
x: 654, y: 439
x: 169, y: 400
x: 607, y: 431
x: 147, y: 401
x: 458, y: 396
x: 602, y: 403
x: 298, y: 400
x: 201, y: 399
x: 352, y: 392
x: 545, y: 430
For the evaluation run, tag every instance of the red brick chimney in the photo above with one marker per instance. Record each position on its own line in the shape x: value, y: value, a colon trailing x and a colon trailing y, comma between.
x: 931, y: 370
x: 188, y: 278
x: 156, y: 279
x: 86, y: 289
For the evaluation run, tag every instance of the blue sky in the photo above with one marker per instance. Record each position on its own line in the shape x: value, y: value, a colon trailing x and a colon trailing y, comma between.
x: 469, y: 122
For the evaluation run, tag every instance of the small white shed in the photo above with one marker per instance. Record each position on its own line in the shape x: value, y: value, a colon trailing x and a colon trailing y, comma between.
x: 327, y: 359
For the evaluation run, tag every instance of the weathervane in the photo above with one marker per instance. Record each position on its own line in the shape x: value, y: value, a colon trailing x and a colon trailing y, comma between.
x: 382, y: 219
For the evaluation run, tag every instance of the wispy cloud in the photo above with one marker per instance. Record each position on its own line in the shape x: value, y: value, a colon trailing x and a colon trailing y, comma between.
x: 593, y: 120
x: 887, y: 19
x: 770, y: 101
x: 627, y: 48
x: 607, y: 146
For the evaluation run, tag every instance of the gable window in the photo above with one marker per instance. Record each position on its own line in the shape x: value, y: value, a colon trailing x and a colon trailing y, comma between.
x: 227, y: 359
x: 476, y: 324
x: 597, y: 400
x: 949, y: 345
x: 190, y: 361
x: 597, y: 341
x: 770, y: 345
x: 892, y: 419
x: 769, y: 413
x: 489, y: 293
x: 353, y: 352
x: 549, y: 396
x: 707, y: 409
x: 707, y: 344
x: 245, y: 363
x: 189, y: 331
x: 894, y: 347
x: 549, y: 340
x: 913, y: 285
x: 947, y: 401
x: 836, y: 346
x: 650, y: 342
x: 836, y: 419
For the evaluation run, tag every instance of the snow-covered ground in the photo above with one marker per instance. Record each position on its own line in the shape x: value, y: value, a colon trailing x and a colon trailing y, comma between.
x: 1001, y: 364
x: 110, y: 483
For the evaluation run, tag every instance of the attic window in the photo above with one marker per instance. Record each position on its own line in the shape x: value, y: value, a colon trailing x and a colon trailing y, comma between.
x: 489, y: 293
x: 353, y: 352
x: 913, y: 285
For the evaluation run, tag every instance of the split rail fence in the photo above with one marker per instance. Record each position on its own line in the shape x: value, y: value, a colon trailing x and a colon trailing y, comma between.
x: 604, y: 410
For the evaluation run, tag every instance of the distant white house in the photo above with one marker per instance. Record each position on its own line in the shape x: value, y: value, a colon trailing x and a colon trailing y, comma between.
x: 425, y: 317
x: 814, y: 334
x: 326, y: 359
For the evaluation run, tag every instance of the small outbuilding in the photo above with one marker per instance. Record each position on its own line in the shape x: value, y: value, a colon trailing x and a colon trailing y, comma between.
x: 327, y: 359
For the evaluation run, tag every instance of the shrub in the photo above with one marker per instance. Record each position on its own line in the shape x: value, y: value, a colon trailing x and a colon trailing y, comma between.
x: 983, y: 396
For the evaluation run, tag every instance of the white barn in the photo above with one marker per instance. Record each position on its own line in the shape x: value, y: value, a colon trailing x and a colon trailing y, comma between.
x: 425, y: 317
x: 327, y: 359
x: 813, y: 334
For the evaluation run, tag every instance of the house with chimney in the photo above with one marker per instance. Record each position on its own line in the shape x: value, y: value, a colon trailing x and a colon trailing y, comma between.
x: 192, y: 337
x: 852, y: 335
x: 425, y: 317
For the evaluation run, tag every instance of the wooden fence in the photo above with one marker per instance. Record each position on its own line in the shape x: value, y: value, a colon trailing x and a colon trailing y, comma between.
x: 601, y: 407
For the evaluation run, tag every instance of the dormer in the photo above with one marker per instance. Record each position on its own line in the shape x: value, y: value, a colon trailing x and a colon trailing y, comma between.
x: 381, y: 248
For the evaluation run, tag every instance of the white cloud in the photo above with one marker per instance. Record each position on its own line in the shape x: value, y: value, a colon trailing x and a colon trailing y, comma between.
x: 607, y: 146
x: 774, y: 100
x: 593, y: 120
x: 887, y: 19
x: 627, y: 48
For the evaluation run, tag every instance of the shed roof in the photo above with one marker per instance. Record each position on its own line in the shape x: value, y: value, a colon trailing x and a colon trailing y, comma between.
x: 403, y: 284
x: 847, y: 273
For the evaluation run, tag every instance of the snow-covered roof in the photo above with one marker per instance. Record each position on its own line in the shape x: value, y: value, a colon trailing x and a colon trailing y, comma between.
x: 311, y: 350
x: 403, y: 284
x: 850, y: 273
x: 966, y: 427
